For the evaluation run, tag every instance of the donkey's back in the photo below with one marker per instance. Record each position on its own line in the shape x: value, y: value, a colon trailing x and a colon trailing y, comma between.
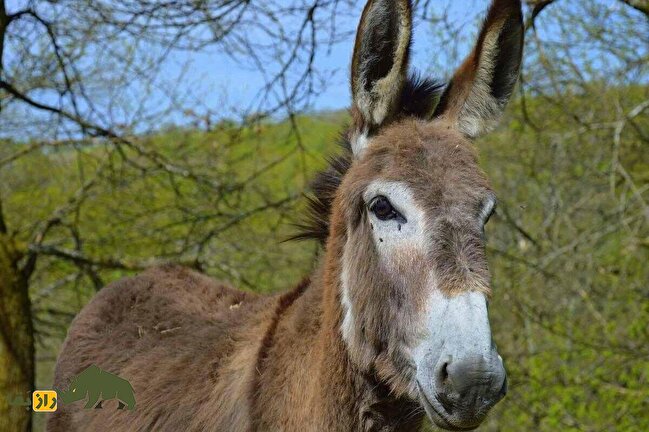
x: 183, y: 341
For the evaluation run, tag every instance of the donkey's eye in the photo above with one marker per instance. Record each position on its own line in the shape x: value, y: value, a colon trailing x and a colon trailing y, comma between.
x: 383, y: 210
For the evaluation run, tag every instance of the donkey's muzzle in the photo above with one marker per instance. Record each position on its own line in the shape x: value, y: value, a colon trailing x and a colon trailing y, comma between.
x: 465, y: 389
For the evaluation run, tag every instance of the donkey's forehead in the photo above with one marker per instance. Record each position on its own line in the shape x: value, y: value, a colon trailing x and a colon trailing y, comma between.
x: 431, y: 156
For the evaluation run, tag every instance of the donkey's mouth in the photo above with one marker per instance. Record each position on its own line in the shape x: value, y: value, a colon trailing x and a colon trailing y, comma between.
x: 435, y: 413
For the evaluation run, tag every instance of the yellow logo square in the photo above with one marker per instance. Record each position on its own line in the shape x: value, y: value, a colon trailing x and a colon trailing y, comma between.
x: 44, y: 401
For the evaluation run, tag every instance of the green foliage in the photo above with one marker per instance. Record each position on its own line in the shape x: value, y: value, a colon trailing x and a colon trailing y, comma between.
x: 569, y: 263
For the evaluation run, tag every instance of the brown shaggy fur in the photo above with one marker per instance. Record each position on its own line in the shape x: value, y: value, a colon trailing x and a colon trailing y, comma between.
x: 202, y: 356
x: 177, y: 336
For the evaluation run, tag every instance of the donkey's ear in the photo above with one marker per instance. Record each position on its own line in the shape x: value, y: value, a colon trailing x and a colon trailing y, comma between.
x: 479, y: 90
x: 379, y: 65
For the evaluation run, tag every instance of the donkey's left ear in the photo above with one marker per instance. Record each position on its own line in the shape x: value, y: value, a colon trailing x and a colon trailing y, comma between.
x: 479, y: 90
x: 379, y: 65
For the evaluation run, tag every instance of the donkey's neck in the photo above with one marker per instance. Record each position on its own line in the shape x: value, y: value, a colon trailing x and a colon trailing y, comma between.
x: 304, y: 378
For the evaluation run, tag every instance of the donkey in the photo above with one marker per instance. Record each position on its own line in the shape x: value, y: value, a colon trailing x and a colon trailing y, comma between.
x: 392, y: 325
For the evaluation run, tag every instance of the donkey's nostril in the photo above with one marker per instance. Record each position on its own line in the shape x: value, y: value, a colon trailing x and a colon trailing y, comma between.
x: 443, y: 374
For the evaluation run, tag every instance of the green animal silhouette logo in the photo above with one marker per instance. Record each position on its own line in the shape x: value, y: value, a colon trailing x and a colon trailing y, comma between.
x: 98, y: 386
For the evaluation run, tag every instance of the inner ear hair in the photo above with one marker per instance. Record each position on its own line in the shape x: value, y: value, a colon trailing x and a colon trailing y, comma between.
x: 477, y: 94
x: 380, y: 62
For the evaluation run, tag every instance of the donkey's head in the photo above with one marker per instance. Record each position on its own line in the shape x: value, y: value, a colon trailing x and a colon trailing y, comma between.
x: 409, y: 211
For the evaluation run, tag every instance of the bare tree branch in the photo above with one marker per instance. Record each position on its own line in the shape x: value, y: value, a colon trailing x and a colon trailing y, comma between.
x: 639, y: 5
x: 3, y: 225
x: 4, y: 23
x: 103, y: 263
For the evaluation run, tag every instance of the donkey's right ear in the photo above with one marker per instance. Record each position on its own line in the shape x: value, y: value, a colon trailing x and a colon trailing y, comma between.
x: 479, y: 90
x: 379, y: 65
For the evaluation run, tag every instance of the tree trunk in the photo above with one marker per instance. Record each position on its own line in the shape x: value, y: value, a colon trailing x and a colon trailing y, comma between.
x: 16, y: 340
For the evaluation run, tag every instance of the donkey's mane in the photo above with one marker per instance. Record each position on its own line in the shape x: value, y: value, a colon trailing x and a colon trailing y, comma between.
x: 418, y: 99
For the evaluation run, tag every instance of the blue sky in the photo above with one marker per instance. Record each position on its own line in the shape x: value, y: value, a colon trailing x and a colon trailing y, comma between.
x: 215, y: 77
x: 202, y: 81
x: 210, y: 81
